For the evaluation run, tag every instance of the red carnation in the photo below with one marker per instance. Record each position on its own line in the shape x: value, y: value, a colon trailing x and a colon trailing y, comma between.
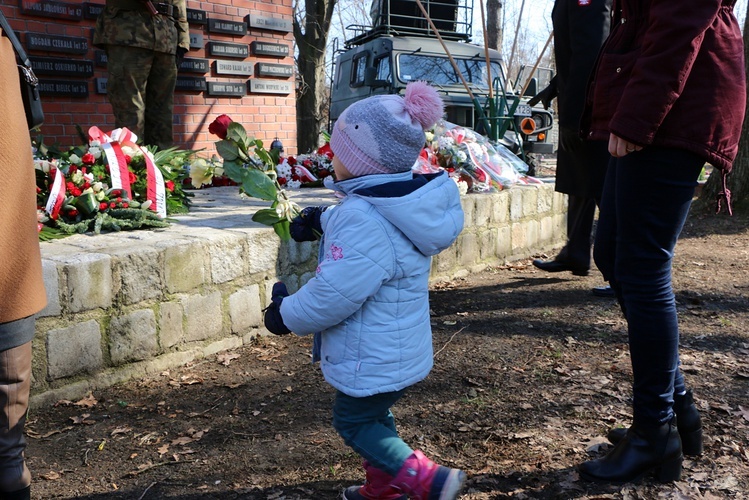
x: 103, y: 206
x: 220, y: 125
x: 128, y: 159
x: 133, y: 178
x: 325, y: 150
x: 169, y: 185
x: 291, y: 161
x: 88, y: 159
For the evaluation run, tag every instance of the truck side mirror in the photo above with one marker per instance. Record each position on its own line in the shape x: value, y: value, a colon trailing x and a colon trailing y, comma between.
x: 532, y: 88
x: 370, y: 78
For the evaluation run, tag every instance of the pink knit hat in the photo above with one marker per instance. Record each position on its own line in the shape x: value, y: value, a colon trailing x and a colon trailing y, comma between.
x: 385, y: 134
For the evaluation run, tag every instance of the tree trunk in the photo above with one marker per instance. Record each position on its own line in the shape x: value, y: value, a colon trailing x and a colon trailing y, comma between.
x: 494, y: 24
x: 738, y: 181
x: 311, y: 95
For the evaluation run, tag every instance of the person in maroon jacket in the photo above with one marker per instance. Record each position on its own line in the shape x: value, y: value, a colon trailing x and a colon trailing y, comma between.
x: 668, y: 93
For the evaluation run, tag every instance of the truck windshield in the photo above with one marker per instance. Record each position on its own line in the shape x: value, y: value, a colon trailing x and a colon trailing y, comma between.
x: 439, y: 70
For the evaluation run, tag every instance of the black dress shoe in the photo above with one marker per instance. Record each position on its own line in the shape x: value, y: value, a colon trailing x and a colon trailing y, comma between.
x: 604, y: 291
x: 556, y: 266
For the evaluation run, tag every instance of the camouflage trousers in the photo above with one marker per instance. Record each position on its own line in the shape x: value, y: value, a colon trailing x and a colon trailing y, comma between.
x: 140, y: 88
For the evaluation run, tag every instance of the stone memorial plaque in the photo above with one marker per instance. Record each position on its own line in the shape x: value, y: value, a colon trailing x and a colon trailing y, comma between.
x: 227, y: 89
x: 63, y: 88
x: 240, y: 68
x: 62, y: 67
x: 268, y: 23
x: 228, y: 49
x: 270, y: 49
x: 195, y: 16
x: 101, y: 85
x: 227, y: 27
x: 194, y: 65
x: 92, y: 10
x: 258, y: 86
x: 191, y: 84
x: 56, y: 43
x: 52, y: 9
x: 277, y: 70
x: 196, y: 40
x: 100, y: 58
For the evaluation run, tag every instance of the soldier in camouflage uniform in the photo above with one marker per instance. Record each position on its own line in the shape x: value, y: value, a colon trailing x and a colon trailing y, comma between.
x: 144, y: 42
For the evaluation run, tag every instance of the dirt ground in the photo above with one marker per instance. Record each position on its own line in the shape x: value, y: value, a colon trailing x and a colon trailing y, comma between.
x: 530, y: 372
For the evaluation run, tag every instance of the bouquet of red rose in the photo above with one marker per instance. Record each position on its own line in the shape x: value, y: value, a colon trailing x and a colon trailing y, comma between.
x: 253, y: 168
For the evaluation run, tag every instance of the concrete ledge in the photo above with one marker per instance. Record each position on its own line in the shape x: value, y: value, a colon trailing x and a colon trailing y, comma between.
x: 123, y: 305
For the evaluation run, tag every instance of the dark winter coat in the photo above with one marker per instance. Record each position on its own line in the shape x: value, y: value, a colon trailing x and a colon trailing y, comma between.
x: 671, y: 74
x: 580, y: 29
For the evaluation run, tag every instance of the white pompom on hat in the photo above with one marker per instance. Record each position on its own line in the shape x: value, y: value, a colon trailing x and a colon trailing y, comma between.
x: 385, y: 134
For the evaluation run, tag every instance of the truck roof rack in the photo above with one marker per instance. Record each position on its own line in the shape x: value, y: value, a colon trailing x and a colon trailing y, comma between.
x: 453, y: 19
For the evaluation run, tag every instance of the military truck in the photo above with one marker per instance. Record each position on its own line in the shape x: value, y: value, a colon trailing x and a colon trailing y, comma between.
x: 400, y: 46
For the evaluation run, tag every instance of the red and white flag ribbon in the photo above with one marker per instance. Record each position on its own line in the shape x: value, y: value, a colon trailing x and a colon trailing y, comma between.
x: 155, y: 190
x: 56, y: 195
x: 111, y: 145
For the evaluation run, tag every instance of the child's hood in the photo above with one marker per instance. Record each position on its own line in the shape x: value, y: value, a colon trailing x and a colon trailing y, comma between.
x: 425, y: 207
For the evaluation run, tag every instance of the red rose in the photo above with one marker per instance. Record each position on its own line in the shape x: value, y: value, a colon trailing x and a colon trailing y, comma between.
x: 282, y: 181
x: 125, y: 205
x: 128, y: 159
x: 291, y: 161
x: 323, y: 174
x: 88, y: 159
x: 103, y: 206
x: 220, y: 125
x: 112, y: 205
x: 115, y: 193
x: 169, y: 185
x: 133, y: 178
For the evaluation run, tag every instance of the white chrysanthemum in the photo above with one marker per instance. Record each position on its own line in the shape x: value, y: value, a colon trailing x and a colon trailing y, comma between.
x: 284, y: 170
x: 462, y: 185
x: 461, y: 156
x: 445, y: 142
x: 294, y: 184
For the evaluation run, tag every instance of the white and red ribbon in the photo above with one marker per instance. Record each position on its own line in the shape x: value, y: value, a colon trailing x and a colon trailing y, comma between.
x: 56, y: 195
x: 111, y: 145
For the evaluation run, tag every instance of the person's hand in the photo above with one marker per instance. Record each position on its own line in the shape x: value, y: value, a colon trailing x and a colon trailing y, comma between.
x: 546, y: 95
x: 306, y: 226
x: 569, y: 139
x: 181, y: 51
x: 272, y: 317
x: 619, y: 147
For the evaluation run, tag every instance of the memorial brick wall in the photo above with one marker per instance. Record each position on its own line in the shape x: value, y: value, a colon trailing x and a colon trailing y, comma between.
x: 240, y: 63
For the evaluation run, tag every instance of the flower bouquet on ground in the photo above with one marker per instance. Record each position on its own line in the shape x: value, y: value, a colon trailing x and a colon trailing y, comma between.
x: 253, y: 168
x: 307, y: 170
x: 110, y: 183
x: 470, y: 157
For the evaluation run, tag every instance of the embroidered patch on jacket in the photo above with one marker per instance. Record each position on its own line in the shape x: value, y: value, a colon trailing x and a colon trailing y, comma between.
x: 336, y: 252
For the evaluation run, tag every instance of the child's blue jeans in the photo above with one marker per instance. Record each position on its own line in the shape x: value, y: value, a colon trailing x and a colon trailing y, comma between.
x: 367, y: 425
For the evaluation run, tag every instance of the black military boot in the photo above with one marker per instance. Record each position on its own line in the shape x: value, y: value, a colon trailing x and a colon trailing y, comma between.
x: 644, y: 449
x: 688, y: 423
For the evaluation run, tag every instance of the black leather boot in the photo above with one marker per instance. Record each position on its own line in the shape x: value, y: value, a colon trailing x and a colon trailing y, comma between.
x: 644, y: 449
x: 688, y: 422
x: 24, y: 494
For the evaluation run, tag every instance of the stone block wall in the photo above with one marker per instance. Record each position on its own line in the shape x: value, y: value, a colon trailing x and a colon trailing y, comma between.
x: 123, y: 305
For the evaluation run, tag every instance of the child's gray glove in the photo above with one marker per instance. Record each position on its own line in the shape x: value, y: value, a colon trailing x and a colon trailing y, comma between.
x: 306, y: 226
x: 272, y: 318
